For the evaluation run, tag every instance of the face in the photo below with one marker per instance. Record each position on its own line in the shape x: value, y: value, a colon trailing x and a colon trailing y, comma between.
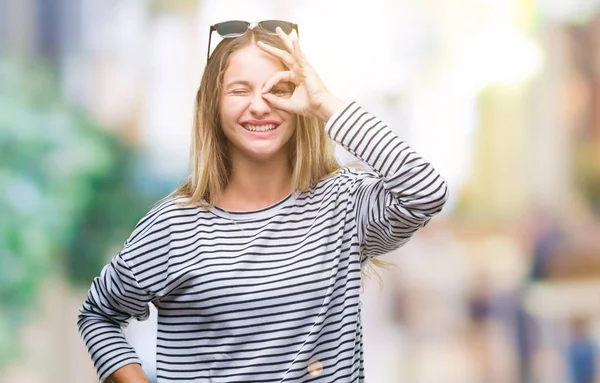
x: 256, y: 131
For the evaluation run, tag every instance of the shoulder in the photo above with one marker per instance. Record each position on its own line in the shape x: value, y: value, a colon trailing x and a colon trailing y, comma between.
x: 346, y: 176
x: 159, y: 220
x: 345, y: 183
x: 341, y: 181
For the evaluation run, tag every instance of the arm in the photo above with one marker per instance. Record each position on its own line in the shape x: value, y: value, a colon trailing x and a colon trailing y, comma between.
x: 401, y: 194
x: 134, y: 278
x: 114, y: 298
x: 404, y: 191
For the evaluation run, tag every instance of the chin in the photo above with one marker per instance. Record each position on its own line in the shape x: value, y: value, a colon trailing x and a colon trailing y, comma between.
x: 266, y: 153
x: 263, y: 156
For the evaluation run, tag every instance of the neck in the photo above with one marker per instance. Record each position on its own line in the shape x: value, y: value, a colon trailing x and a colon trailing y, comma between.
x: 255, y: 185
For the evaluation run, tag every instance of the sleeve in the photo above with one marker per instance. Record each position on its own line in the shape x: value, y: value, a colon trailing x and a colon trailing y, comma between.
x: 403, y: 191
x: 114, y: 298
x: 122, y: 291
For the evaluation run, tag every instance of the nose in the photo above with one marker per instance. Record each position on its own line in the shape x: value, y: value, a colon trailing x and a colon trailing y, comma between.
x: 259, y: 106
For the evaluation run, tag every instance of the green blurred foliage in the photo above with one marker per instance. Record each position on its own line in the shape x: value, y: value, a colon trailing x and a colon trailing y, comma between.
x: 67, y: 195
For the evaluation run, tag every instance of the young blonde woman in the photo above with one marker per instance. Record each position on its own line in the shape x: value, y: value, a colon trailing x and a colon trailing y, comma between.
x: 254, y: 264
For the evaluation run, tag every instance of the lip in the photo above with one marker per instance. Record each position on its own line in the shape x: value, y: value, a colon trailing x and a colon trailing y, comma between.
x: 261, y: 123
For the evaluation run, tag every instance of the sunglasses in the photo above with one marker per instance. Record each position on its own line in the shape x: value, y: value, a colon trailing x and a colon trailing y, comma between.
x: 236, y: 28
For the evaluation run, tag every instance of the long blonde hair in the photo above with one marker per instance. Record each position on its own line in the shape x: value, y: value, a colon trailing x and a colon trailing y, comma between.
x: 311, y: 150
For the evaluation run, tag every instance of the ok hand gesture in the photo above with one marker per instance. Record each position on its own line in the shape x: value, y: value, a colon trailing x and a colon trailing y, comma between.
x: 310, y: 96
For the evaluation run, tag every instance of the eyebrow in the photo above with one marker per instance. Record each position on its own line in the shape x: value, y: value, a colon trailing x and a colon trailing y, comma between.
x: 238, y: 82
x: 248, y: 84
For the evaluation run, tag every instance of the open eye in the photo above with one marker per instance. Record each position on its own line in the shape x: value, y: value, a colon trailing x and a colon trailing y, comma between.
x: 280, y: 92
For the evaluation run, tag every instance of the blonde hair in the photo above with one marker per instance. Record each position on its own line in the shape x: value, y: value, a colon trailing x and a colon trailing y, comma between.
x: 311, y: 150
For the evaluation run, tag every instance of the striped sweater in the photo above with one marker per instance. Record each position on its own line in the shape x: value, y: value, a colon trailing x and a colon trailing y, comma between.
x: 269, y: 295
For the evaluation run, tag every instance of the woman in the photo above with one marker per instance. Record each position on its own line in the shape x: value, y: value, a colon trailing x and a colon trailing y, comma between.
x: 254, y: 264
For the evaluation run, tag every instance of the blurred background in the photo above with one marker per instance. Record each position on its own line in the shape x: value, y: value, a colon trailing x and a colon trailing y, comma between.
x: 502, y: 96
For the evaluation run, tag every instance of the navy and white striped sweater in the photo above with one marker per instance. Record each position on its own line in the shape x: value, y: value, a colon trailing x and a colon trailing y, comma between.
x: 257, y: 296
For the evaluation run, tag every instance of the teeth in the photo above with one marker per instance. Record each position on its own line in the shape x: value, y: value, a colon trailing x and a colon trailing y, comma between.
x: 260, y: 128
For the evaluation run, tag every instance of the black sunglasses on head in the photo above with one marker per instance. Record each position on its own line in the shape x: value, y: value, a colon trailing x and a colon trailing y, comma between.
x: 235, y: 28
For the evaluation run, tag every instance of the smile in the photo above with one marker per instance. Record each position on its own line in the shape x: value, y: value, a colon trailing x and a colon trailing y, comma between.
x: 260, y: 128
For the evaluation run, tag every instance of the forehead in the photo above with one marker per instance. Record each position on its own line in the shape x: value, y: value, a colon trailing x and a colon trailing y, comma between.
x: 251, y: 64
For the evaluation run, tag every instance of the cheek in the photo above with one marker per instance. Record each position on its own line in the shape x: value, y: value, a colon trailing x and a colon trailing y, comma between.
x: 231, y: 109
x: 291, y: 123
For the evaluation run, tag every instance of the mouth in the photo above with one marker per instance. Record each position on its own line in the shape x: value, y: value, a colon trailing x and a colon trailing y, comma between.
x: 260, y: 128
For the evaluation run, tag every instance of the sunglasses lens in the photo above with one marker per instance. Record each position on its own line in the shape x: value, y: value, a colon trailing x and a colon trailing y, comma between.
x: 271, y: 25
x: 232, y: 28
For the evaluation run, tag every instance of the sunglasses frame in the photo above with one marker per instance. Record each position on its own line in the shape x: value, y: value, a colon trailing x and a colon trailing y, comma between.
x: 214, y: 28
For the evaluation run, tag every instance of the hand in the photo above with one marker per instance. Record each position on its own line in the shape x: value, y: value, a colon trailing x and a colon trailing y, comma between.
x: 310, y: 96
x: 130, y: 373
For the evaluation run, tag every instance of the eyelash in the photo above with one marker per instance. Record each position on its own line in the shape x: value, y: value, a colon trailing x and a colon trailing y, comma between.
x: 279, y: 91
x: 242, y: 92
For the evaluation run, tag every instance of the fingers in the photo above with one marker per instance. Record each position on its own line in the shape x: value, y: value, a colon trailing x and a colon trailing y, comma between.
x: 283, y: 76
x: 298, y: 55
x: 285, y: 57
x: 293, y: 58
x: 278, y: 102
x: 285, y: 104
x: 286, y: 40
x: 292, y: 44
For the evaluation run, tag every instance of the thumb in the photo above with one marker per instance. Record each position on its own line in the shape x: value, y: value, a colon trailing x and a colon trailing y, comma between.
x: 280, y: 103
